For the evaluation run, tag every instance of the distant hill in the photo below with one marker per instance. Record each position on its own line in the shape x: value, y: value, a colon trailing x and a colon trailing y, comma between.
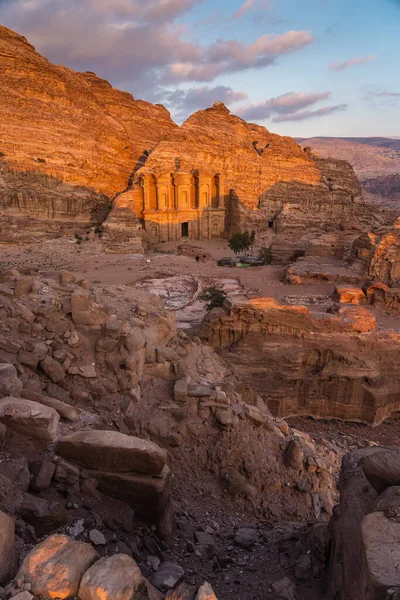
x: 376, y: 161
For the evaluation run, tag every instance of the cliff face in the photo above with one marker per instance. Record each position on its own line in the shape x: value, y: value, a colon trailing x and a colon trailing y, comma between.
x: 68, y: 141
x: 251, y: 158
x: 318, y: 364
x: 71, y: 146
x: 268, y: 180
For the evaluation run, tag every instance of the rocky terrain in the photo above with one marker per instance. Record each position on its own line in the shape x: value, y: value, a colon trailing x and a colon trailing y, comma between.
x: 152, y: 446
x: 376, y: 162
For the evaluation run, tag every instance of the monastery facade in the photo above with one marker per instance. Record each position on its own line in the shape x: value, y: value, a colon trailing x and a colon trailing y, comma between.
x: 181, y: 205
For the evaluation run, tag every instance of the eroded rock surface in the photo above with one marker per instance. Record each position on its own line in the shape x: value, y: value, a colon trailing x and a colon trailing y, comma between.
x: 64, y: 180
x: 313, y: 363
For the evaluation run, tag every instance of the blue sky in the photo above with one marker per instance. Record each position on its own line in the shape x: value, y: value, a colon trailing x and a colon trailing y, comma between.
x: 301, y: 68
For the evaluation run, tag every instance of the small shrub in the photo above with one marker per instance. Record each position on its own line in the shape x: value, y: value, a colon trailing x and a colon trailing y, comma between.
x: 78, y: 238
x: 41, y: 160
x: 214, y: 296
x: 266, y: 255
x: 2, y: 154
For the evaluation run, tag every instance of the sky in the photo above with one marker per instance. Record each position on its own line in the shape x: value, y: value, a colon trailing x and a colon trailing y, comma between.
x: 299, y: 67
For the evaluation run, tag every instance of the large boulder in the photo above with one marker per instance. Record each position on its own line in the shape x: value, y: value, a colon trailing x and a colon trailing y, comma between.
x: 55, y: 567
x: 112, y: 451
x: 381, y: 540
x: 7, y: 548
x: 382, y: 469
x: 365, y: 540
x: 111, y: 578
x: 29, y: 418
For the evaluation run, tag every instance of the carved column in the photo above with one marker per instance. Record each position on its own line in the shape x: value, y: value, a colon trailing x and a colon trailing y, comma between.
x: 146, y: 191
x: 183, y: 182
x: 205, y: 186
x: 221, y: 189
x: 163, y: 189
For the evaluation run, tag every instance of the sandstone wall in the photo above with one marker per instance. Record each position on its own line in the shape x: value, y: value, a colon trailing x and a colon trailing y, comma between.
x: 318, y: 364
x: 69, y: 142
x: 268, y: 180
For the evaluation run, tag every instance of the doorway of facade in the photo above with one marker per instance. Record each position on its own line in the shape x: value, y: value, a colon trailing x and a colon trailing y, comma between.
x: 185, y: 230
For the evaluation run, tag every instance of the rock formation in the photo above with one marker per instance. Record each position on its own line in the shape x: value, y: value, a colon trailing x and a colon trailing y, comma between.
x: 73, y: 147
x: 262, y: 180
x: 311, y: 363
x: 366, y: 527
x: 69, y: 143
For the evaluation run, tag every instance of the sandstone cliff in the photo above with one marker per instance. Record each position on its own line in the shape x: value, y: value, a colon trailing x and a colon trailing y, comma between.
x: 319, y: 364
x: 71, y: 145
x: 268, y: 180
x: 68, y: 141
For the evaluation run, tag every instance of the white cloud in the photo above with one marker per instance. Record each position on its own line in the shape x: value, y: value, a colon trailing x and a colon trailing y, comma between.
x: 340, y: 66
x: 289, y: 107
x: 139, y: 45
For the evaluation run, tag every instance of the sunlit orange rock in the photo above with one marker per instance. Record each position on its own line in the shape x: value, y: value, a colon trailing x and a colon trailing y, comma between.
x: 69, y: 141
x: 112, y: 578
x: 350, y: 295
x: 55, y: 567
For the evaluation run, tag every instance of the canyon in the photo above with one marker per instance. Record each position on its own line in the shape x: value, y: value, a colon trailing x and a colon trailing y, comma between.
x: 156, y: 446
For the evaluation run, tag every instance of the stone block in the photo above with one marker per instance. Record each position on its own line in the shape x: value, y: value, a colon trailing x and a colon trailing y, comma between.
x: 113, y: 451
x: 29, y: 418
x: 23, y: 286
x: 53, y: 369
x: 149, y: 496
x: 43, y: 515
x: 381, y: 541
x: 181, y: 391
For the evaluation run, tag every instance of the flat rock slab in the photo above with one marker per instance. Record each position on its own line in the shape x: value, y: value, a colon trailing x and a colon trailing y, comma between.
x: 64, y: 410
x: 112, y: 451
x: 112, y: 578
x: 30, y: 418
x: 55, y: 567
x: 381, y: 540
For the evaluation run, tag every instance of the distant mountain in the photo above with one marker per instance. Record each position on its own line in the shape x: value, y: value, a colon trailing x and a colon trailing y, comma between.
x: 376, y: 161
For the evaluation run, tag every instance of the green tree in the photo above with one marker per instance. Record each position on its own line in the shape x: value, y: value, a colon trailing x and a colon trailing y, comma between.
x: 241, y: 242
